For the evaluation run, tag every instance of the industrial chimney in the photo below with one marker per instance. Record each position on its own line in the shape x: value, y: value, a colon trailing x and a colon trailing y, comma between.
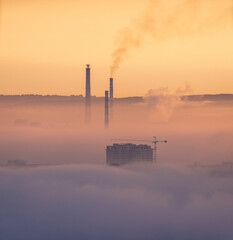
x: 88, y: 85
x: 106, y: 110
x: 111, y: 92
x: 111, y: 88
x: 88, y: 94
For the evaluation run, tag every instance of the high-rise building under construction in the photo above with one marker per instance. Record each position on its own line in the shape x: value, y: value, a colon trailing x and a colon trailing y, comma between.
x: 119, y: 154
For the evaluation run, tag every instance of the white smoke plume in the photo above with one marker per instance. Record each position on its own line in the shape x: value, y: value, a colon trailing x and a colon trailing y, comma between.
x: 0, y: 17
x: 161, y: 104
x: 165, y: 19
x: 187, y: 89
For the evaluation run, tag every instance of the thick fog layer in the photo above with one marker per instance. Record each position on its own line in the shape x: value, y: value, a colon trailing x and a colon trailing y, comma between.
x: 100, y: 202
x: 61, y: 188
x: 55, y: 132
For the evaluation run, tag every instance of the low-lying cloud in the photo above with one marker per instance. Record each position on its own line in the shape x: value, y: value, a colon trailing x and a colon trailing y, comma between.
x: 100, y: 202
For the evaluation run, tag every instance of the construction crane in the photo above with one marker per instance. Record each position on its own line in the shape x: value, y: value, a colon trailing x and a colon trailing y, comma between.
x: 154, y: 142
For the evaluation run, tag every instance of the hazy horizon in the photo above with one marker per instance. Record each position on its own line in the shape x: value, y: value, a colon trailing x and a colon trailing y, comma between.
x: 169, y: 175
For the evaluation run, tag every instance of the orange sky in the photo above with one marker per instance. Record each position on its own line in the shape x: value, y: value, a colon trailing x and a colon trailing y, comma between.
x: 45, y: 45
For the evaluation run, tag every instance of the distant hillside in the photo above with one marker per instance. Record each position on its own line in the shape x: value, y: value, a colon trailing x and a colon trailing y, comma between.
x: 74, y: 99
x: 209, y: 97
x: 57, y: 99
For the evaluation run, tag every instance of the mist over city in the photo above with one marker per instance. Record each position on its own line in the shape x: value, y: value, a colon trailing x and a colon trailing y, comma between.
x: 116, y: 120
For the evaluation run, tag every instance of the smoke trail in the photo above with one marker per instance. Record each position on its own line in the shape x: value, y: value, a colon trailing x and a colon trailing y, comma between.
x: 232, y: 13
x: 184, y: 90
x: 165, y: 19
x: 0, y: 18
x: 161, y: 104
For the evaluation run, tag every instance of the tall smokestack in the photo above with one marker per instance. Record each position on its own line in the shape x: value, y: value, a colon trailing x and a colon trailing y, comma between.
x: 88, y: 85
x: 111, y: 88
x: 106, y: 110
x: 111, y: 92
x: 111, y: 98
x: 88, y: 94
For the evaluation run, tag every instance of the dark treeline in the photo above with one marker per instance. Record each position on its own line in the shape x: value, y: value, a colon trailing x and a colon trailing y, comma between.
x: 37, y: 99
x: 40, y: 99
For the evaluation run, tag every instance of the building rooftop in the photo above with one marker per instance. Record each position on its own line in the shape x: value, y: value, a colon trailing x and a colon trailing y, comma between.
x: 118, y: 154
